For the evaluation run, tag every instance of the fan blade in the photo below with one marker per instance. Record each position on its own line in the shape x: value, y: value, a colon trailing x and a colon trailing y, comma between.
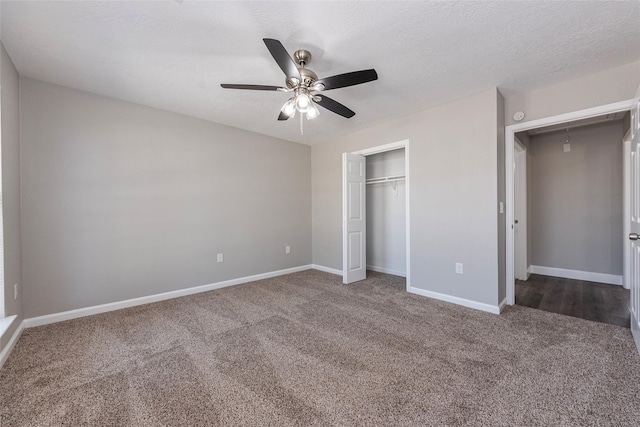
x: 283, y: 116
x: 252, y: 87
x: 349, y: 79
x: 334, y: 106
x: 283, y: 59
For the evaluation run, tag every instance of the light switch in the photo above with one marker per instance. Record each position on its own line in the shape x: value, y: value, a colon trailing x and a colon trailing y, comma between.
x: 220, y: 257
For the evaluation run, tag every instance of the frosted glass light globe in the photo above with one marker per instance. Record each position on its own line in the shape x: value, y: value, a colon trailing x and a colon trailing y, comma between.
x: 312, y: 112
x: 289, y: 108
x: 302, y: 102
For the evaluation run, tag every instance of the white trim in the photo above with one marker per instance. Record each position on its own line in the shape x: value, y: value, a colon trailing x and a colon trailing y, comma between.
x: 502, y: 304
x: 386, y: 271
x: 600, y: 110
x: 407, y: 214
x: 5, y: 323
x: 510, y: 132
x: 103, y: 308
x: 634, y: 329
x: 626, y: 209
x: 382, y: 148
x: 389, y: 147
x: 456, y: 300
x: 611, y: 279
x: 6, y: 351
x: 327, y: 269
x: 520, y: 165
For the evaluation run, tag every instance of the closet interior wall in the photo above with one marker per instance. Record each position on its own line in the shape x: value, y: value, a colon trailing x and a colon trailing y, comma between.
x: 386, y: 213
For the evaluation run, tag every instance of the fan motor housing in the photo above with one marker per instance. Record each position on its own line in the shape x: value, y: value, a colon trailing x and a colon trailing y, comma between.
x: 308, y: 76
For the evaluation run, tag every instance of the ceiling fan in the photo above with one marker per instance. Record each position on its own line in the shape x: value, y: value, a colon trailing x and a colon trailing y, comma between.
x: 305, y: 84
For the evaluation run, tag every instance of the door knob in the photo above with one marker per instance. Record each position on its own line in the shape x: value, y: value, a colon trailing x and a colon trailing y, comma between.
x: 634, y: 236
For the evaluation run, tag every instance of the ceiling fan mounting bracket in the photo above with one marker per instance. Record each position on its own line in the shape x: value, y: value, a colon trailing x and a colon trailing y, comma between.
x: 302, y: 57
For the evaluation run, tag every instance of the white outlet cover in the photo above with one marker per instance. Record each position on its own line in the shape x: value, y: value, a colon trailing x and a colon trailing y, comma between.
x: 459, y: 268
x: 220, y: 257
x: 287, y: 249
x: 566, y: 147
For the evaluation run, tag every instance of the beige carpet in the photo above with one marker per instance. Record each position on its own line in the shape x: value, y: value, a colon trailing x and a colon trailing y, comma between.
x: 304, y: 349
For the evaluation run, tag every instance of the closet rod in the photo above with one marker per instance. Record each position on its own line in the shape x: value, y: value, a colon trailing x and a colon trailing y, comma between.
x: 385, y: 179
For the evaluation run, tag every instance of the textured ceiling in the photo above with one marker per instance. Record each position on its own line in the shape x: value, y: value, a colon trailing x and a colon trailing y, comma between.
x: 173, y: 55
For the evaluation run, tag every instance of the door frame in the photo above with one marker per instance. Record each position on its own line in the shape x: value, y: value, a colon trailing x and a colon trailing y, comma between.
x: 520, y: 165
x: 390, y: 147
x: 626, y: 210
x: 509, y: 139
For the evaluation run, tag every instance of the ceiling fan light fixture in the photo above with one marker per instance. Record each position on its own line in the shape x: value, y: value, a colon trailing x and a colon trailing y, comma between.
x: 289, y: 108
x: 312, y: 112
x: 302, y: 102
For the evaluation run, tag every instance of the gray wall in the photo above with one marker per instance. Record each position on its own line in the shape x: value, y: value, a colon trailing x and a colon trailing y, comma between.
x: 609, y: 86
x: 453, y: 171
x: 10, y: 189
x: 122, y: 201
x: 575, y: 208
x: 386, y: 214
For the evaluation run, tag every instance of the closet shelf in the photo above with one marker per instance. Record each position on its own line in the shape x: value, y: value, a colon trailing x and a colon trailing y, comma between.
x: 383, y: 179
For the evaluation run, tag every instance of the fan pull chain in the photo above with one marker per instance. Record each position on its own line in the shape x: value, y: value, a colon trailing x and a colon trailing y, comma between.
x: 301, y: 130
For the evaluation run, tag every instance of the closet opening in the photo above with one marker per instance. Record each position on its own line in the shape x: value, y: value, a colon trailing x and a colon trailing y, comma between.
x: 386, y: 211
x: 376, y: 212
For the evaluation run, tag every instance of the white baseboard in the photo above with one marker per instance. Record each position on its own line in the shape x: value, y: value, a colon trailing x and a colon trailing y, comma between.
x: 502, y: 304
x: 6, y: 351
x: 326, y: 269
x: 635, y: 329
x: 456, y: 300
x: 103, y: 308
x: 5, y: 324
x: 386, y: 271
x: 611, y: 279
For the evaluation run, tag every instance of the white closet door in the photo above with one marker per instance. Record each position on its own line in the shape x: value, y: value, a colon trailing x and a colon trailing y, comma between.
x: 354, y: 225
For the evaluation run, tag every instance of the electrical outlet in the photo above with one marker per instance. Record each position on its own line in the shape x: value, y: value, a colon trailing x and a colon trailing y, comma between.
x: 459, y: 268
x: 220, y: 257
x: 15, y: 291
x: 287, y: 249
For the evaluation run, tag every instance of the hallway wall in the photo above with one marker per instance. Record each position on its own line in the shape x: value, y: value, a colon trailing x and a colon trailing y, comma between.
x: 575, y: 199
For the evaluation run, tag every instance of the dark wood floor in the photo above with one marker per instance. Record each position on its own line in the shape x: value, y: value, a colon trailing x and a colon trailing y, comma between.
x: 588, y: 300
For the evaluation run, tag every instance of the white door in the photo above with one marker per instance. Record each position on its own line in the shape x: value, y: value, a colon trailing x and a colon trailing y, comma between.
x: 354, y: 225
x: 635, y: 220
x: 520, y: 211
